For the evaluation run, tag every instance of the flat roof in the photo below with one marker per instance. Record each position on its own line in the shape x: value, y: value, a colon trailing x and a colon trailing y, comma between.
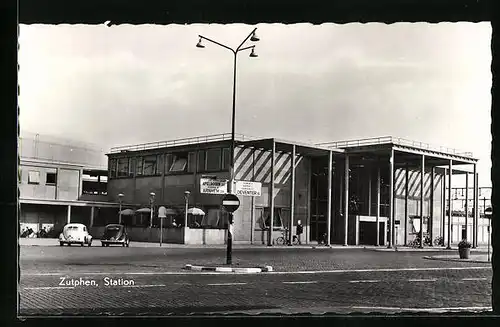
x: 240, y: 139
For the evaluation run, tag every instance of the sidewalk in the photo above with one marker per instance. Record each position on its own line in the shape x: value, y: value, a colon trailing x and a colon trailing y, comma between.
x: 474, y: 258
x: 96, y: 242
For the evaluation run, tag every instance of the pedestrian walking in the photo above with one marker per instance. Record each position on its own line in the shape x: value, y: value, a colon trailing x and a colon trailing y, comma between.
x: 300, y: 230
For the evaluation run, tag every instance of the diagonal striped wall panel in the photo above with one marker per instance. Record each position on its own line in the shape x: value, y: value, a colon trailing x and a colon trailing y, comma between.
x: 255, y: 165
x: 414, y: 183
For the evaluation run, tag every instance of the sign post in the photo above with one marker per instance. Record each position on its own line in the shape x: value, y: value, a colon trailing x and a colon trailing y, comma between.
x: 230, y: 203
x: 162, y: 213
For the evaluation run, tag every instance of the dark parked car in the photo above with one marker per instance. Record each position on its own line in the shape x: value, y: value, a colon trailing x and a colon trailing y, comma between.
x: 115, y: 234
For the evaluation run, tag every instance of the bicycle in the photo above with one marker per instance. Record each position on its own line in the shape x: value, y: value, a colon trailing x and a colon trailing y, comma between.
x: 282, y: 240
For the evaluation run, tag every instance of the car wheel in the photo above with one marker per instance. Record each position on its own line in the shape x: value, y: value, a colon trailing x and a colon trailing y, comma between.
x: 102, y: 244
x: 69, y: 244
x: 107, y: 244
x: 61, y: 243
x: 128, y: 243
x: 90, y: 243
x: 82, y: 244
x: 123, y: 244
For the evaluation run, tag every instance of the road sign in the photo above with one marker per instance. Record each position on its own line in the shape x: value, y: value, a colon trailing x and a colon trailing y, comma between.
x: 230, y: 202
x: 213, y: 186
x: 488, y: 212
x: 162, y: 212
x: 246, y: 188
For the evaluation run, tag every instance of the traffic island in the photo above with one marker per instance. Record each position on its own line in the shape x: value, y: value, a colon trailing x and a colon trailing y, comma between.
x: 474, y: 258
x: 229, y: 269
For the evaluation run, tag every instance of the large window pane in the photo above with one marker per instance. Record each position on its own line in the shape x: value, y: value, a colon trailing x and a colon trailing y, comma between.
x: 226, y: 158
x: 150, y: 165
x: 192, y: 162
x: 112, y: 168
x: 179, y: 162
x: 139, y: 166
x: 123, y: 167
x: 201, y: 160
x: 214, y: 159
x: 131, y: 167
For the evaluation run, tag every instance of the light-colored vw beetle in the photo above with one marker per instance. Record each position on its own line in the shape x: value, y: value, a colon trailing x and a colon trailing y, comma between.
x: 75, y: 234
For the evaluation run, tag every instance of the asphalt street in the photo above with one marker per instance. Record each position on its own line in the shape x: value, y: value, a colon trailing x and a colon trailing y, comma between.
x: 141, y: 281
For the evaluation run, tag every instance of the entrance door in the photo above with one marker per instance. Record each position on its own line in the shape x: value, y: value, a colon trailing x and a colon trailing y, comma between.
x: 464, y: 232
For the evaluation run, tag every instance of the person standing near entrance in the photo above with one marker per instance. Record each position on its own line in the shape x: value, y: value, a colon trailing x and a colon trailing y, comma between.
x: 300, y: 230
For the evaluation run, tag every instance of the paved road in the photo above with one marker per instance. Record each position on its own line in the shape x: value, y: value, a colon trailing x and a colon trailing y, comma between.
x: 305, y: 280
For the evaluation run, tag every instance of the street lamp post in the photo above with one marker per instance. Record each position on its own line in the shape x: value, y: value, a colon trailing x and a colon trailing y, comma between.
x: 120, y: 198
x: 152, y: 201
x: 186, y: 197
x: 253, y: 37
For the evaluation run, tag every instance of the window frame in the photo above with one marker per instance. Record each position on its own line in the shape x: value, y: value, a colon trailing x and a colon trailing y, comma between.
x: 219, y: 156
x: 47, y: 178
x: 125, y: 172
x: 175, y: 158
x: 112, y: 169
x: 37, y: 182
x: 154, y: 166
x: 226, y: 165
x: 139, y: 166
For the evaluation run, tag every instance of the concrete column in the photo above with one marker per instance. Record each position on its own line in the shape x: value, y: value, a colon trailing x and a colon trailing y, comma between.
x: 68, y: 218
x: 378, y: 205
x: 422, y: 193
x: 346, y: 199
x: 466, y: 205
x: 450, y: 204
x: 292, y: 193
x: 370, y: 170
x: 91, y: 216
x: 309, y: 213
x: 476, y: 209
x: 80, y: 185
x: 431, y: 206
x: 443, y: 204
x: 271, y: 196
x: 391, y: 200
x: 329, y: 209
x: 407, y: 177
x: 252, y: 213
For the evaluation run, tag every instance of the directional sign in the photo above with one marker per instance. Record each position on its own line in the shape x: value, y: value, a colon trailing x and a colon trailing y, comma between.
x: 213, y: 186
x: 230, y: 202
x: 488, y: 212
x: 245, y: 188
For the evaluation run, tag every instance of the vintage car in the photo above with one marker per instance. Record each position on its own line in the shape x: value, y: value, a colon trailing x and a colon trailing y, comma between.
x: 115, y: 234
x: 75, y: 234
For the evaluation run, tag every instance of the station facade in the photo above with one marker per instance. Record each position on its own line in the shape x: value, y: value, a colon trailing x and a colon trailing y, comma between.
x: 374, y: 191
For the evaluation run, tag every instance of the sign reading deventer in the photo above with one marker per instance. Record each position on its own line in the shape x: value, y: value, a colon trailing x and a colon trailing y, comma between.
x: 213, y: 186
x: 245, y: 188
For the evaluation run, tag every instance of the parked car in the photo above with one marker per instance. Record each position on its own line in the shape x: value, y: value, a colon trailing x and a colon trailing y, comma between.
x: 115, y: 234
x: 75, y: 234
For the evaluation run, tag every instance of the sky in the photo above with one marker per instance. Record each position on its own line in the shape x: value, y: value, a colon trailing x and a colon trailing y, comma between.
x: 127, y: 84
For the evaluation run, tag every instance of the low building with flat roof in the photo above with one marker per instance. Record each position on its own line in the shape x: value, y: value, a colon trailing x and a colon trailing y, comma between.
x: 337, y: 190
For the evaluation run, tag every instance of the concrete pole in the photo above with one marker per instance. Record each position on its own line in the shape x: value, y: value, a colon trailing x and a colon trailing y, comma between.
x: 346, y: 199
x: 476, y: 209
x: 271, y: 196
x: 391, y: 200
x: 378, y: 205
x: 406, y: 204
x: 467, y: 206
x: 370, y: 170
x: 450, y: 204
x: 68, y: 218
x: 422, y: 193
x: 91, y: 217
x: 292, y: 195
x: 252, y: 216
x: 329, y: 204
x: 443, y: 205
x: 431, y: 206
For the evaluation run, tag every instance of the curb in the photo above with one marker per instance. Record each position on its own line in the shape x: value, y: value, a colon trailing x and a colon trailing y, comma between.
x: 229, y: 269
x: 456, y: 259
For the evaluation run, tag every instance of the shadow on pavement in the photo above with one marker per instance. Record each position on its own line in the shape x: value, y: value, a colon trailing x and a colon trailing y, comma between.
x: 180, y: 310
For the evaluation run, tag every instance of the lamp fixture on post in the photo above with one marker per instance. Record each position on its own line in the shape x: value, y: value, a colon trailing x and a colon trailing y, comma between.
x: 152, y: 201
x: 120, y: 199
x: 253, y: 37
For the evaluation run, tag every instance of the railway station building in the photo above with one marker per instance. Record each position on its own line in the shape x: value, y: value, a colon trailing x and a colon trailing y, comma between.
x: 378, y: 191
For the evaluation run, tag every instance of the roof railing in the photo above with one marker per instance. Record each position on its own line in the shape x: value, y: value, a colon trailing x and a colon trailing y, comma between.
x: 397, y: 141
x: 181, y: 142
